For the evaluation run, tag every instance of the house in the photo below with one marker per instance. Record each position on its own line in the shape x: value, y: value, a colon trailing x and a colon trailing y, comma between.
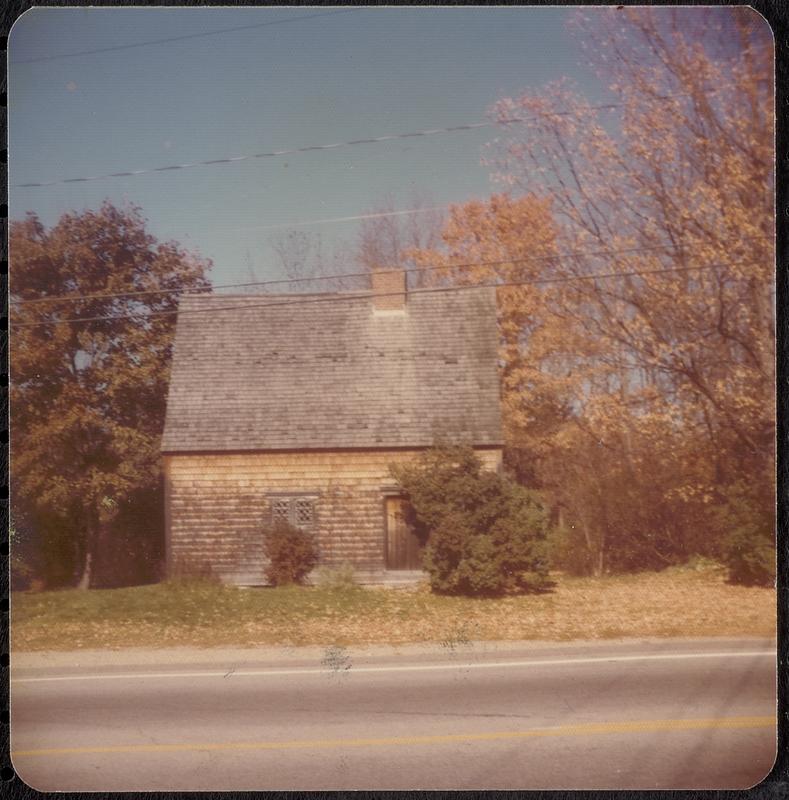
x: 295, y: 406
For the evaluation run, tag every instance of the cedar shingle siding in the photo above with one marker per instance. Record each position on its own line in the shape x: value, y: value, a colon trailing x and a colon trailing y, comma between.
x: 316, y: 397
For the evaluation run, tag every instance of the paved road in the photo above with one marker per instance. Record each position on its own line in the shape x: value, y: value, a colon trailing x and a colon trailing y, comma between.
x: 629, y: 715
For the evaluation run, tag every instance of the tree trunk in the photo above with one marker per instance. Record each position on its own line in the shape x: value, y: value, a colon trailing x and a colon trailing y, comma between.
x: 601, y: 549
x: 91, y: 546
x: 590, y: 545
x: 84, y: 581
x: 600, y: 567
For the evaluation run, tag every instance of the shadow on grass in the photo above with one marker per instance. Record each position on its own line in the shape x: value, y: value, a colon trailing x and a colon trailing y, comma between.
x: 548, y: 586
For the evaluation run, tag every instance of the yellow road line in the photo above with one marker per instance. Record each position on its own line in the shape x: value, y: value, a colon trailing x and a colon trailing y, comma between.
x: 637, y: 726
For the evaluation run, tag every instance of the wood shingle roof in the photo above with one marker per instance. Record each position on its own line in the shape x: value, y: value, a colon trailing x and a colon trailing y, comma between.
x: 310, y: 374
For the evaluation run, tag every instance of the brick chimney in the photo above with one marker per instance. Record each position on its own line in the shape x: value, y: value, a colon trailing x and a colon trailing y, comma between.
x: 389, y: 290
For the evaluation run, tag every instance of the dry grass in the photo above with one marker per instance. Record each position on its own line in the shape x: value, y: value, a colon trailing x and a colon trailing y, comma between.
x: 681, y: 602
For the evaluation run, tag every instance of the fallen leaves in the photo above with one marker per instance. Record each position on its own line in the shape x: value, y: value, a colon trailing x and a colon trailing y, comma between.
x: 672, y: 603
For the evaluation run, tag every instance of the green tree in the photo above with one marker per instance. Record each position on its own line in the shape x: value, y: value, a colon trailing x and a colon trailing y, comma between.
x: 89, y: 376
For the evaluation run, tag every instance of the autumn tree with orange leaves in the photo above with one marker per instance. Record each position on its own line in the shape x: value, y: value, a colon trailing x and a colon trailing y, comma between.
x: 89, y: 378
x: 639, y: 353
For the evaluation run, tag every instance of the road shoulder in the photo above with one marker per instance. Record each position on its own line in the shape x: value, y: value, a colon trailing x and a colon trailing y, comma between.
x: 239, y: 657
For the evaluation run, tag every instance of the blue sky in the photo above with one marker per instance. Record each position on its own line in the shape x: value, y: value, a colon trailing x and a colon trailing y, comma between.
x: 350, y: 75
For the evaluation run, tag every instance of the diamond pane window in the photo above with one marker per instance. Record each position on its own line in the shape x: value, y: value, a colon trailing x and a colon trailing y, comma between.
x: 280, y: 510
x: 298, y: 511
x: 303, y: 513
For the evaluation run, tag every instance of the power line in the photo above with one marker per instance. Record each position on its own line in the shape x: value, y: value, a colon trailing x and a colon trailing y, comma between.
x: 278, y: 153
x: 292, y: 151
x: 342, y: 276
x: 337, y: 297
x: 179, y: 38
x: 357, y: 217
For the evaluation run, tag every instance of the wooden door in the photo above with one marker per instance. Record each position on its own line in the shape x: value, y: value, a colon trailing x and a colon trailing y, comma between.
x: 402, y: 546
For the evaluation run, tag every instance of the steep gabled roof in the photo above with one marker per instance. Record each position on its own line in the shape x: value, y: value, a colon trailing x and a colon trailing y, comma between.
x: 326, y: 372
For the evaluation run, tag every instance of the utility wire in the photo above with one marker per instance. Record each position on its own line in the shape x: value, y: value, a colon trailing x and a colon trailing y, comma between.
x: 278, y: 153
x: 357, y: 217
x: 426, y: 268
x: 179, y: 38
x: 338, y: 297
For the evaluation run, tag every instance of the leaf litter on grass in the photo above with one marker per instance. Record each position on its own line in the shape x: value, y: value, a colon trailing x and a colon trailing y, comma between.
x: 672, y: 603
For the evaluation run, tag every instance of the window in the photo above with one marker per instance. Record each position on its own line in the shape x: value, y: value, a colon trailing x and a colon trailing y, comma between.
x: 297, y: 510
x: 303, y: 512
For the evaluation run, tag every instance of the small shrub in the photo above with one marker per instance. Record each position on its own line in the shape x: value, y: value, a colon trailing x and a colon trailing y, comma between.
x: 336, y: 578
x: 750, y: 556
x: 291, y: 553
x: 485, y: 534
x: 748, y: 545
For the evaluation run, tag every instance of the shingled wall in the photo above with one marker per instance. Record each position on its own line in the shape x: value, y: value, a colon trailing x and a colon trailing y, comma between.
x: 217, y: 504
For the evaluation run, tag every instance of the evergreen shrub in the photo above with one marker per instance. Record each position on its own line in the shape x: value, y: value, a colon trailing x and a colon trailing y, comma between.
x: 748, y: 546
x: 483, y: 533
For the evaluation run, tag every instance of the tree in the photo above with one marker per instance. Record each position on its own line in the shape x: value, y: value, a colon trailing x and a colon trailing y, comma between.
x: 638, y: 362
x: 89, y: 375
x: 680, y: 177
x: 512, y: 242
x: 385, y: 238
x: 306, y: 263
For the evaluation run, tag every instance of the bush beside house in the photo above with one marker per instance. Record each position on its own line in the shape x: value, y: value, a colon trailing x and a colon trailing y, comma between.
x: 483, y: 533
x: 290, y: 551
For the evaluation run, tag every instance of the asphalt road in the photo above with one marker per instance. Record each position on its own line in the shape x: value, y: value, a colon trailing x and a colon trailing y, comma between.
x: 628, y: 715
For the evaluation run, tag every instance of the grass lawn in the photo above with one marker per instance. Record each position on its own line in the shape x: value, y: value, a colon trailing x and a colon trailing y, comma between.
x: 678, y: 602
